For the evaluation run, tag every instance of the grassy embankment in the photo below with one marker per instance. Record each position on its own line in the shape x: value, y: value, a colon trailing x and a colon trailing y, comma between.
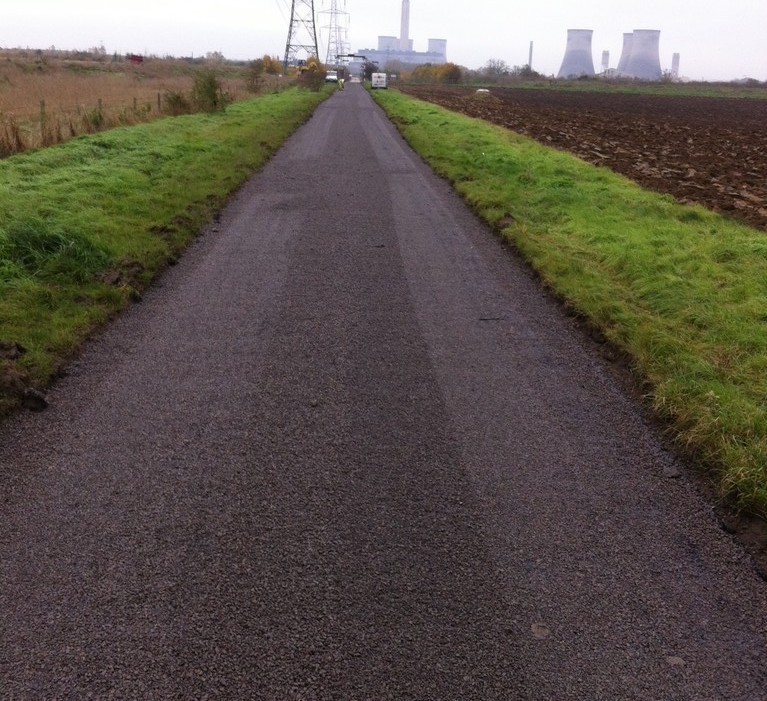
x: 87, y: 224
x: 682, y: 292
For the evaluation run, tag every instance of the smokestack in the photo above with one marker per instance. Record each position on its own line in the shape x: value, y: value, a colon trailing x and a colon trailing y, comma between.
x: 578, y: 60
x: 644, y: 59
x: 530, y: 58
x: 404, y: 34
x: 605, y: 61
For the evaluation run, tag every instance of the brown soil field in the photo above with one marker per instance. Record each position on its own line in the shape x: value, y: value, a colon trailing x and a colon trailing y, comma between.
x: 712, y: 151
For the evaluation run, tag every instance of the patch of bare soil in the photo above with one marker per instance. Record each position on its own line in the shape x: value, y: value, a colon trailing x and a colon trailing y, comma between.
x: 712, y: 151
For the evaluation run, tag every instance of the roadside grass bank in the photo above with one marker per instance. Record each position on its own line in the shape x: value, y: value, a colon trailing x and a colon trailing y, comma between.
x: 86, y: 225
x: 679, y: 291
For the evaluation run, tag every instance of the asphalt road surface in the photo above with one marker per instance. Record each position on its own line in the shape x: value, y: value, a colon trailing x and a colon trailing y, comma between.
x: 348, y: 449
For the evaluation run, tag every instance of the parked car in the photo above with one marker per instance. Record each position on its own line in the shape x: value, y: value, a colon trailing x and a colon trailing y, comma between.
x: 331, y: 77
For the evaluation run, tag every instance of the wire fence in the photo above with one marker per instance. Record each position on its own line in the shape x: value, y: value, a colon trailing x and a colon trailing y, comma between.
x: 55, y: 121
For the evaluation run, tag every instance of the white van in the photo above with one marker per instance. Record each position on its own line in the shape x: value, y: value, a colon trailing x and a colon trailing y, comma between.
x: 378, y: 81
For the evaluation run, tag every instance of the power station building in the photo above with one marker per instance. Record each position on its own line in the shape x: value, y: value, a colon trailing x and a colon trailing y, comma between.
x: 400, y: 49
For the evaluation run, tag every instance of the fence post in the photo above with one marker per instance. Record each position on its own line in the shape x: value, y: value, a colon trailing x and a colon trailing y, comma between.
x: 43, y: 137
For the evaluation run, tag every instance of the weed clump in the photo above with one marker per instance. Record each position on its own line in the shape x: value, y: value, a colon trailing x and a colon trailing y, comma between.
x: 33, y: 247
x: 11, y: 140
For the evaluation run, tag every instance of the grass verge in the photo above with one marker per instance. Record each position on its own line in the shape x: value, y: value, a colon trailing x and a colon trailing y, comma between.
x: 680, y: 291
x: 84, y: 226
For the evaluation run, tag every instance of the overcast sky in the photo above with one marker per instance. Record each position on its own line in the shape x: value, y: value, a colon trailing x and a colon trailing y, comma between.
x: 722, y: 41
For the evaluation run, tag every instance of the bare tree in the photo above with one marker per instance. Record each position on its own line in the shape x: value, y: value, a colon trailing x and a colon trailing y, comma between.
x: 495, y: 68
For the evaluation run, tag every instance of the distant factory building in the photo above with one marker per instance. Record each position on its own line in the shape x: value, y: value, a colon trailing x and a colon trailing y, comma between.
x: 400, y: 49
x: 605, y: 61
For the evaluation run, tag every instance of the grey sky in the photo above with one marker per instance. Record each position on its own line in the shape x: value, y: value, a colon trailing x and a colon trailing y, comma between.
x: 716, y: 41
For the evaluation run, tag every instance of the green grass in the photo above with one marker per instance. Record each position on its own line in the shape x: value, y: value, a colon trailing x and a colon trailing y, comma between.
x: 682, y: 292
x: 84, y: 226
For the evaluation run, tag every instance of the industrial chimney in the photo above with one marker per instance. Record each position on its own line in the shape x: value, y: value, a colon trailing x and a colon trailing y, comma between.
x: 644, y: 60
x: 675, y: 66
x: 404, y: 35
x: 578, y: 60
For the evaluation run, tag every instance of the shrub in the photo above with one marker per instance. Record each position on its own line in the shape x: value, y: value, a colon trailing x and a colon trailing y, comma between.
x: 254, y: 78
x: 176, y: 103
x: 208, y: 94
x: 312, y: 75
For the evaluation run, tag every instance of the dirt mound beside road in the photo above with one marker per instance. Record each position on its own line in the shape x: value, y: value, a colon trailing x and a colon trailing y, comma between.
x: 712, y: 151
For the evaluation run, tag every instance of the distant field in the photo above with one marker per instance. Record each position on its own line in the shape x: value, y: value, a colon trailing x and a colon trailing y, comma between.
x: 47, y: 97
x: 751, y: 90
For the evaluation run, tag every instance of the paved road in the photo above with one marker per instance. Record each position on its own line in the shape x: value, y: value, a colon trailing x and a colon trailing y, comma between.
x: 348, y: 449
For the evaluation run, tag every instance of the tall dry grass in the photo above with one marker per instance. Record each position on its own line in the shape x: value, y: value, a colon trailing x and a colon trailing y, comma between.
x: 46, y: 98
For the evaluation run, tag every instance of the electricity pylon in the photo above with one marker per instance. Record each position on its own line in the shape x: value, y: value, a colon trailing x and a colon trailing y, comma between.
x: 337, y: 45
x: 302, y: 35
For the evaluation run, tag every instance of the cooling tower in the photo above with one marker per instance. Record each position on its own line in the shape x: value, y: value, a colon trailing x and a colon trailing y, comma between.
x: 625, y: 53
x: 578, y: 60
x: 644, y: 60
x: 438, y: 46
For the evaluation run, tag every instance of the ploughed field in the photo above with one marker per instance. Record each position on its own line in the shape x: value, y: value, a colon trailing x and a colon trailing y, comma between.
x: 708, y: 150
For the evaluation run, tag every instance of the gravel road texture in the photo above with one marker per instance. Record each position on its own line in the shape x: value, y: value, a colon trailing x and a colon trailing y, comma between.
x: 348, y: 449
